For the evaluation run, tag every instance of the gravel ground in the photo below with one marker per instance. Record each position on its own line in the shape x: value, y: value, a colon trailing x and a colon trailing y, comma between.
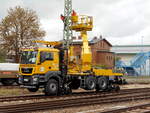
x: 95, y: 108
x: 86, y: 109
x: 132, y: 86
x: 99, y: 108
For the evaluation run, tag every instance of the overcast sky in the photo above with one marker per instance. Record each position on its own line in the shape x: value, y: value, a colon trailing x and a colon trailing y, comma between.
x: 119, y: 21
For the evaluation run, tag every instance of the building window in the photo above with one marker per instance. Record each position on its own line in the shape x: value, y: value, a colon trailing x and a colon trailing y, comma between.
x: 107, y: 57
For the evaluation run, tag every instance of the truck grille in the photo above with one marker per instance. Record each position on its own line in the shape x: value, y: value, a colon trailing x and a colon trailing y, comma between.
x: 26, y: 70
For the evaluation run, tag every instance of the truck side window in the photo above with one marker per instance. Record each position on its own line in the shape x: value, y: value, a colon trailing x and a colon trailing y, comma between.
x: 49, y: 56
x: 46, y: 56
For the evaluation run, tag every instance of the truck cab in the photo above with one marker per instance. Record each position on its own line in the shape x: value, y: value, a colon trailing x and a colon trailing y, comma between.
x: 35, y: 63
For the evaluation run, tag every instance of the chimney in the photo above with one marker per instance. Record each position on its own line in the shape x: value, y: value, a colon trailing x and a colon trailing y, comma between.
x: 101, y: 37
x: 95, y: 38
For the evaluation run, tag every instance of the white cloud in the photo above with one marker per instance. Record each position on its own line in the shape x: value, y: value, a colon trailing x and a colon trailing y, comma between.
x: 6, y: 4
x: 120, y: 21
x: 54, y: 29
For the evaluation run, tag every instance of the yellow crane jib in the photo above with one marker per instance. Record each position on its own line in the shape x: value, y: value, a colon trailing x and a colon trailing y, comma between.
x: 51, y: 43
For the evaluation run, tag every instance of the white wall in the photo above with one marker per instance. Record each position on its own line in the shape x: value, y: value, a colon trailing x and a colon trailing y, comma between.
x: 130, y: 49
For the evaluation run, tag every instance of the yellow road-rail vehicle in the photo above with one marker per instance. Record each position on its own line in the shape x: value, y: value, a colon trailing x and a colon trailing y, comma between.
x: 55, y: 68
x: 46, y: 68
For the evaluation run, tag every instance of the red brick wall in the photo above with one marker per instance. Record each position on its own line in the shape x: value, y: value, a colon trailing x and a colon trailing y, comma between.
x: 101, y: 45
x: 100, y: 53
x: 105, y: 59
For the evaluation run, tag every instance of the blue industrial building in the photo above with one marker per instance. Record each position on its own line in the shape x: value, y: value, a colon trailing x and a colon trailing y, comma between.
x: 135, y: 59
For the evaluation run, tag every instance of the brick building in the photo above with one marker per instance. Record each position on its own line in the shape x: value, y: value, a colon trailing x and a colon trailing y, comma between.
x: 100, y: 48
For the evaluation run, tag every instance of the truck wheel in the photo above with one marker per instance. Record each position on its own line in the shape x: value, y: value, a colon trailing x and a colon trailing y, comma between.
x: 102, y: 83
x: 90, y: 83
x: 7, y: 82
x: 51, y: 87
x: 33, y: 89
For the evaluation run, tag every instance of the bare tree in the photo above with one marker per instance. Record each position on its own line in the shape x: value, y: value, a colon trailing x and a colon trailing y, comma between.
x: 18, y: 29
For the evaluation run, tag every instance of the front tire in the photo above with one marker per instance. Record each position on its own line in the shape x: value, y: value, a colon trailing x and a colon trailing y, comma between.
x: 51, y: 87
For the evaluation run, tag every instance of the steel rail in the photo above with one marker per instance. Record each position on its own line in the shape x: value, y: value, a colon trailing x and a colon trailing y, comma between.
x: 76, y: 95
x: 57, y: 104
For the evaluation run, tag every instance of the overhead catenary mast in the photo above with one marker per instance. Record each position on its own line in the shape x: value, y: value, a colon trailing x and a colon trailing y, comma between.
x: 67, y: 32
x: 67, y: 37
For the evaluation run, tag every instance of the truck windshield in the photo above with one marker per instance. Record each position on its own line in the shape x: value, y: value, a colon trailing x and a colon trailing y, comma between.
x: 28, y: 57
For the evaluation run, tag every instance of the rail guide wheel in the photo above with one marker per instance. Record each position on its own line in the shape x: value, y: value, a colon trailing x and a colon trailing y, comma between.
x: 33, y: 89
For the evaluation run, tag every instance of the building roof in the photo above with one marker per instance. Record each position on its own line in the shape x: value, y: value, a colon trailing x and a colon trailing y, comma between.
x: 130, y: 49
x: 127, y: 53
x: 93, y: 41
x: 107, y: 42
x: 131, y: 45
x: 104, y: 51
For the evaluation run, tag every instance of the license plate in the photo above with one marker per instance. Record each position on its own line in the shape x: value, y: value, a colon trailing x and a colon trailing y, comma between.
x: 26, y: 80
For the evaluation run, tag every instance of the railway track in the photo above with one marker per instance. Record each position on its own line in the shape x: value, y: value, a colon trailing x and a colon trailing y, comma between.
x: 74, y: 95
x: 128, y: 95
x: 143, y: 108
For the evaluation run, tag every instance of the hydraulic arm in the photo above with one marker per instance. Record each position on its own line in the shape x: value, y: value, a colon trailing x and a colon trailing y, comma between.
x: 83, y: 24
